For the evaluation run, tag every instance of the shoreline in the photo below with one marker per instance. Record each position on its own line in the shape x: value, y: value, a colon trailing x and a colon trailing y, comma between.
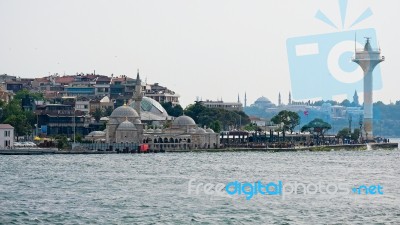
x: 356, y: 147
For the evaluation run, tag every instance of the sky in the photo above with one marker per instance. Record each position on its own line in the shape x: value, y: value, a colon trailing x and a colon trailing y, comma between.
x: 206, y: 49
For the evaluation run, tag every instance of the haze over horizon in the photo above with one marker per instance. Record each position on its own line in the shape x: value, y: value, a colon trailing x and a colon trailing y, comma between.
x: 205, y: 49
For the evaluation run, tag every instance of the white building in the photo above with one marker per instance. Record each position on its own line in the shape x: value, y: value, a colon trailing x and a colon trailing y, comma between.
x: 83, y: 105
x: 6, y: 136
x: 161, y: 94
x: 231, y: 106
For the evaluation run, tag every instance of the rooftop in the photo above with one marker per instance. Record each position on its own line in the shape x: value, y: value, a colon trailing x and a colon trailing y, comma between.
x: 6, y: 126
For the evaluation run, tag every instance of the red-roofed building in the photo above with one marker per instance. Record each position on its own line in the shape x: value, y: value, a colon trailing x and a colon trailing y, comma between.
x: 65, y: 80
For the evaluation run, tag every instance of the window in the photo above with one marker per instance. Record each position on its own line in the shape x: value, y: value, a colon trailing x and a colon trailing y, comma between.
x: 7, y: 143
x: 7, y: 133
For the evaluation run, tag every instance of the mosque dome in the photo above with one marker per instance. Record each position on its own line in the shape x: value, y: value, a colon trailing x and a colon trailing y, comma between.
x: 209, y: 130
x: 97, y: 134
x: 262, y: 99
x: 113, y: 121
x: 137, y: 121
x: 200, y: 131
x: 126, y: 125
x: 158, y: 130
x: 183, y: 121
x: 124, y: 111
x: 104, y: 119
x: 192, y: 130
x: 263, y: 103
x: 150, y: 130
x: 105, y: 99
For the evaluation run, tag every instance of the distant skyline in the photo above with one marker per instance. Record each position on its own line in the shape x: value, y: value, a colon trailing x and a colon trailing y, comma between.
x: 198, y: 48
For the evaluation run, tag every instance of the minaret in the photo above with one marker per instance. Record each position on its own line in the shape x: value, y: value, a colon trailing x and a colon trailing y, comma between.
x: 138, y: 93
x: 238, y: 98
x: 290, y: 98
x: 245, y: 99
x: 355, y: 99
x: 279, y: 100
x: 368, y: 59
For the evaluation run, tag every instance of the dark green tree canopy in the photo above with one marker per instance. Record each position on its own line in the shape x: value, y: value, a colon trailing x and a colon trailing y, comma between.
x: 97, y: 114
x: 174, y: 111
x: 211, y: 116
x: 288, y: 119
x: 316, y: 126
x: 343, y: 133
x: 13, y: 114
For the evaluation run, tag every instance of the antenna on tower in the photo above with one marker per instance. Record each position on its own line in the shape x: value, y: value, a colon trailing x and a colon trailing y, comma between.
x: 379, y: 46
x: 355, y: 42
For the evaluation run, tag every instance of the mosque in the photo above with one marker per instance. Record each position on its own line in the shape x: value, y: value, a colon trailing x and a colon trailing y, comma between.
x: 144, y: 121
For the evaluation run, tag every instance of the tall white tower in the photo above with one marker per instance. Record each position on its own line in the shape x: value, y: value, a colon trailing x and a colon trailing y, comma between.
x: 368, y: 58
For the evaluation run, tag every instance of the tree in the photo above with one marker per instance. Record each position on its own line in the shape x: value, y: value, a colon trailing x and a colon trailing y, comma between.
x: 346, y: 103
x: 288, y: 119
x: 20, y: 124
x: 177, y: 111
x: 356, y: 134
x: 206, y: 116
x: 343, y: 133
x: 62, y: 141
x: 252, y: 127
x: 22, y: 121
x: 216, y: 126
x: 172, y: 110
x: 97, y: 114
x: 317, y: 127
x: 108, y: 111
x: 78, y: 138
x: 24, y: 92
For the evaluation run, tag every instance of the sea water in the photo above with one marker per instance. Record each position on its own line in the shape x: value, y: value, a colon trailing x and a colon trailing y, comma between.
x: 154, y: 188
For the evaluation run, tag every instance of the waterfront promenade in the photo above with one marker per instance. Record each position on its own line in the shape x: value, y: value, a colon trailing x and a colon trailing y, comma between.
x: 353, y: 147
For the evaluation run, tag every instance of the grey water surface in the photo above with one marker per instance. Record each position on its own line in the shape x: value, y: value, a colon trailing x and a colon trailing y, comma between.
x: 153, y: 188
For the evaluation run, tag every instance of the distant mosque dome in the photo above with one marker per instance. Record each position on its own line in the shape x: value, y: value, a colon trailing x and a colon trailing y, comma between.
x: 126, y: 125
x: 262, y: 99
x: 124, y: 111
x: 263, y: 103
x: 183, y: 121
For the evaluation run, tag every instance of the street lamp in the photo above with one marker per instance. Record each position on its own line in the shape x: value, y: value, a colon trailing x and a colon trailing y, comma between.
x: 74, y: 125
x: 360, y: 123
